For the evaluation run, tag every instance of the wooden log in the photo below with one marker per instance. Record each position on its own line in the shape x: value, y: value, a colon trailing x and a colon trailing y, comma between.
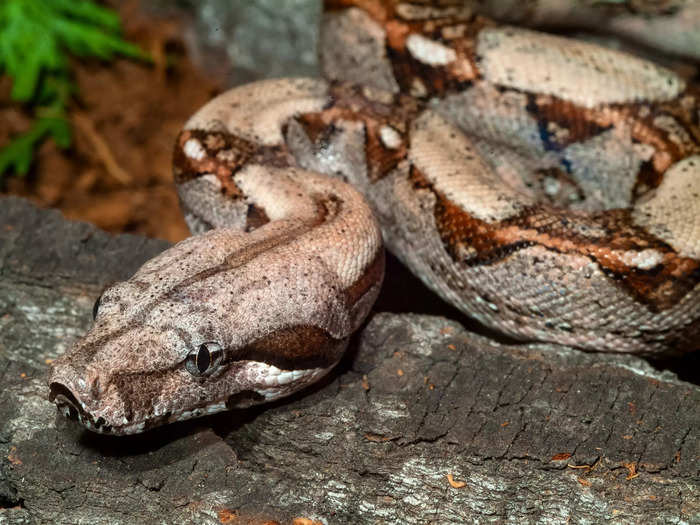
x: 423, y: 421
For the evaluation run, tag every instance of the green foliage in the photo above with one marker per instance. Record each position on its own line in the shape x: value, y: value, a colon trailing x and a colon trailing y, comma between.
x: 35, y: 39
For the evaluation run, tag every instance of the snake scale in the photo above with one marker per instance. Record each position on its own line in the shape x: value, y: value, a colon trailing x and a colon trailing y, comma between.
x: 547, y: 187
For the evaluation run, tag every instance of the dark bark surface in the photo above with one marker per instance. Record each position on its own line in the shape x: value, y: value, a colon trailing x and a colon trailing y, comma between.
x: 528, y: 433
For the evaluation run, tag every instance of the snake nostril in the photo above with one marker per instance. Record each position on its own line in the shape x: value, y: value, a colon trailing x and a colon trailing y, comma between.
x: 96, y: 388
x: 71, y: 408
x: 67, y: 408
x: 66, y: 402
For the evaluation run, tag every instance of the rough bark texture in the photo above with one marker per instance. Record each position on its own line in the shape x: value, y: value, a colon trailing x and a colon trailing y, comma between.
x: 528, y: 433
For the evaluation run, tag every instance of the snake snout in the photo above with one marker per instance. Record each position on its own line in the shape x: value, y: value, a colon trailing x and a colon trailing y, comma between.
x: 68, y: 404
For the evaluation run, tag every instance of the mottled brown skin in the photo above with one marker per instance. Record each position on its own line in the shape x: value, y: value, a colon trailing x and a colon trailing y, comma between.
x: 489, y: 181
x: 659, y: 287
x: 349, y: 103
x: 272, y: 295
x: 605, y: 237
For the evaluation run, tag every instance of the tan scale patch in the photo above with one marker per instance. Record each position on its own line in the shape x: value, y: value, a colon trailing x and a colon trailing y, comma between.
x: 429, y: 51
x: 580, y: 72
x: 257, y: 111
x: 453, y: 166
x: 672, y: 211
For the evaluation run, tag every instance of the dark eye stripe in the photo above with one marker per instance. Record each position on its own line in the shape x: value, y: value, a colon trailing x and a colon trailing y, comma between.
x: 293, y: 348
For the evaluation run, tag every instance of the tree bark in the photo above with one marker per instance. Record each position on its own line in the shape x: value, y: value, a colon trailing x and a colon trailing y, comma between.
x: 423, y: 421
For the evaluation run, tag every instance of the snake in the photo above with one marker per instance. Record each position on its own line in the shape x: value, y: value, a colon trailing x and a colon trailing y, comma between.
x: 547, y: 187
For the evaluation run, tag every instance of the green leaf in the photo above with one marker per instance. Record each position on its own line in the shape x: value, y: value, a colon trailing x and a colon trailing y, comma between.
x: 18, y: 155
x: 88, y: 12
x: 55, y: 89
x: 90, y: 41
x: 60, y: 131
x: 35, y: 39
x: 40, y: 55
x: 35, y: 36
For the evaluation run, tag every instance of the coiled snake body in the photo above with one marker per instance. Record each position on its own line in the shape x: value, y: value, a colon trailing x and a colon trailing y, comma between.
x: 547, y: 187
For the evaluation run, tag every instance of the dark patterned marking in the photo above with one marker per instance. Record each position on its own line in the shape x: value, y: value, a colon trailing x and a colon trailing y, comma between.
x: 253, y: 250
x: 437, y: 26
x: 328, y: 207
x: 350, y: 104
x: 473, y: 242
x: 255, y: 217
x: 568, y: 116
x: 225, y: 155
x: 436, y: 80
x: 371, y: 276
x: 580, y: 124
x: 293, y: 348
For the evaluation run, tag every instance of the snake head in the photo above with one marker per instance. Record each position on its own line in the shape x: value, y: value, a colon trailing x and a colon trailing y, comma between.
x: 216, y: 322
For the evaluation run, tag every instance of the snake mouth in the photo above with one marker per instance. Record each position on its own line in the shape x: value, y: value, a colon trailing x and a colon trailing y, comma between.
x: 71, y: 408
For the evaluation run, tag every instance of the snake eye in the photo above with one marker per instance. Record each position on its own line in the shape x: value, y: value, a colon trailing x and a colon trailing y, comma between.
x: 96, y: 307
x: 204, y: 359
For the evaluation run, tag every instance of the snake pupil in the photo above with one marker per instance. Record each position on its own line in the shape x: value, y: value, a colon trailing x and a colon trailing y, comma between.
x: 203, y: 359
x: 96, y: 307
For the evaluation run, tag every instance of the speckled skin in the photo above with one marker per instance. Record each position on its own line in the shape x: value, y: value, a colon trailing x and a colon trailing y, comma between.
x: 285, y: 276
x: 556, y: 202
x: 672, y: 26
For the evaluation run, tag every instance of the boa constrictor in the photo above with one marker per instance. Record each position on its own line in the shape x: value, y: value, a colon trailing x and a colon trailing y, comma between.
x: 547, y: 187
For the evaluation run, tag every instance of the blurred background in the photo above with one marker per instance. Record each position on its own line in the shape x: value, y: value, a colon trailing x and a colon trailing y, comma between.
x: 125, y: 113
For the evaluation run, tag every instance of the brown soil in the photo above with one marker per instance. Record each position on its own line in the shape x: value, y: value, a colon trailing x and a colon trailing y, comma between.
x: 117, y: 174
